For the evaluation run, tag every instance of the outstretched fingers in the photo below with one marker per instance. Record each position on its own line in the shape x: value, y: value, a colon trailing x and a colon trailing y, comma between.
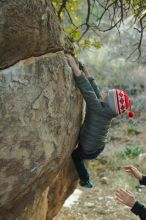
x: 125, y: 197
x: 128, y: 168
x: 133, y: 170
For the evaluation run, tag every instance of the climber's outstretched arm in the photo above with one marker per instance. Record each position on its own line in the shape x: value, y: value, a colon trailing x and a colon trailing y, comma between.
x: 92, y: 81
x: 84, y: 85
x: 73, y: 65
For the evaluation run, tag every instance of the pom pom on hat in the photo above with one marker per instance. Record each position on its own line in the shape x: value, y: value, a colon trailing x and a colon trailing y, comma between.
x: 119, y: 102
x: 131, y: 114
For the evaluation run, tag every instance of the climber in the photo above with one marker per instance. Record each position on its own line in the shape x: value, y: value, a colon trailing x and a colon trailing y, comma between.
x: 100, y: 109
x: 127, y: 198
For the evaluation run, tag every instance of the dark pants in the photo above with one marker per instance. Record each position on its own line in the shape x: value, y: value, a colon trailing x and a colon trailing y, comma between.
x: 78, y: 156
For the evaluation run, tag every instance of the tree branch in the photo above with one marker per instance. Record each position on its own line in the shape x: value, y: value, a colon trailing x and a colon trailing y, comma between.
x: 63, y: 6
x: 117, y: 10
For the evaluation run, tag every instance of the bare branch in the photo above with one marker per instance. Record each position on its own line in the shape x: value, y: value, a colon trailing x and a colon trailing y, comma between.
x: 70, y: 18
x: 63, y: 6
x: 116, y: 10
x: 87, y: 20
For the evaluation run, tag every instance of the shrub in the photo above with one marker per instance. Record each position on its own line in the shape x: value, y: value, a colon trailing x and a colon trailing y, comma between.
x: 130, y: 152
x: 132, y: 129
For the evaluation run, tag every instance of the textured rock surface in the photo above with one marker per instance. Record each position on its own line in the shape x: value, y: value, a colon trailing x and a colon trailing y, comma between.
x: 27, y: 28
x: 40, y: 113
x: 40, y: 120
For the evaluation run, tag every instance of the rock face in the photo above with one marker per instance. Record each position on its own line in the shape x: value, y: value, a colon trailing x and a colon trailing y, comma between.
x: 27, y: 28
x: 40, y: 114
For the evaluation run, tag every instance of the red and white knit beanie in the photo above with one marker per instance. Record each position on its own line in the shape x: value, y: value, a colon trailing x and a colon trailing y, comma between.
x: 119, y: 101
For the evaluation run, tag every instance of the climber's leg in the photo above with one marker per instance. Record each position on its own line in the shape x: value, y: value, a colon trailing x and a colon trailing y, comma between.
x: 78, y: 158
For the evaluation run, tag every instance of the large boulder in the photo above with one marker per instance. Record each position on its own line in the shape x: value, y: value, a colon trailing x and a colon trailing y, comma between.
x: 40, y: 113
x: 27, y: 28
x: 40, y: 118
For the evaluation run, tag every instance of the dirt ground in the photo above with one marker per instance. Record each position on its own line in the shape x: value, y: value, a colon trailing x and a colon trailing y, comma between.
x: 107, y: 175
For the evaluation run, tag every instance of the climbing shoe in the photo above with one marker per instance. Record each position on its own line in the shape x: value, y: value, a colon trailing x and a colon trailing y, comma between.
x: 86, y: 184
